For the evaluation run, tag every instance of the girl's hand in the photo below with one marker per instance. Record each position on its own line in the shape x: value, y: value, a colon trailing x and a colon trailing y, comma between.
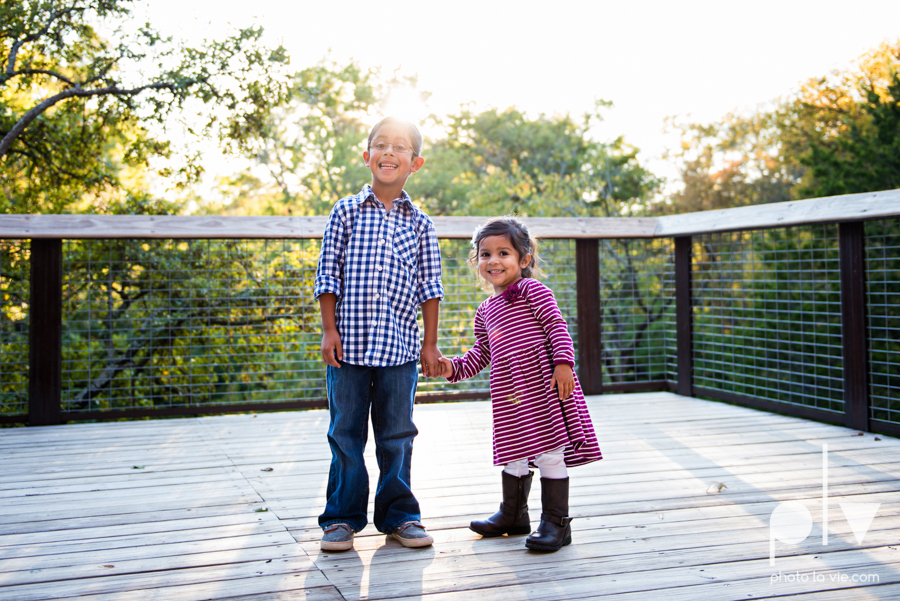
x: 564, y: 380
x: 445, y: 367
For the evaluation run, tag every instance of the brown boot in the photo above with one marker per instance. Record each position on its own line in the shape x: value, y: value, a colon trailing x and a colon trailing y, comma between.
x: 554, y: 531
x: 513, y: 515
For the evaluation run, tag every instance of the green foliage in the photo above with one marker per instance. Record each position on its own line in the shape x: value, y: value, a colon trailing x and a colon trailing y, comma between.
x: 883, y: 311
x: 310, y: 145
x: 638, y: 299
x: 158, y: 323
x: 498, y: 162
x: 866, y: 158
x: 487, y: 163
x: 767, y: 316
x: 735, y: 162
x: 77, y: 107
x: 836, y: 134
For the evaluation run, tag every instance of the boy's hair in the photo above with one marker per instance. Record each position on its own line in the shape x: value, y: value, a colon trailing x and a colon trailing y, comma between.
x: 515, y: 231
x: 415, y: 136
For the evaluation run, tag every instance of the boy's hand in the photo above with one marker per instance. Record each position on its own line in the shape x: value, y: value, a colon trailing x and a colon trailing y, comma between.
x: 564, y: 380
x: 446, y: 368
x: 331, y: 347
x: 431, y: 357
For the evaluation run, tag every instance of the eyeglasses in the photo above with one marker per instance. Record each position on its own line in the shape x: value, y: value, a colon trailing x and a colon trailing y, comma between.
x: 383, y: 146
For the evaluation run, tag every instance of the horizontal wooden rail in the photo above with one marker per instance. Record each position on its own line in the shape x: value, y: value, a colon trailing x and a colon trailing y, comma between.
x: 850, y: 207
x: 83, y: 227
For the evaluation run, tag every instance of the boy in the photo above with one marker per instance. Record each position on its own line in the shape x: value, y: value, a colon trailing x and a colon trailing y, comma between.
x: 380, y: 260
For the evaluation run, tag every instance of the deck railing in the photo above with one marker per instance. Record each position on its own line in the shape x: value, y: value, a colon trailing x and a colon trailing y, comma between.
x: 793, y: 307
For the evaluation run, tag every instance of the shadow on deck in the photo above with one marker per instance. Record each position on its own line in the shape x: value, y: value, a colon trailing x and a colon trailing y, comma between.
x: 225, y: 508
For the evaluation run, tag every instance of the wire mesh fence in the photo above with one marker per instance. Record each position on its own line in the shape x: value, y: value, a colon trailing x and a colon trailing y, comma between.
x: 767, y: 315
x: 15, y: 262
x: 193, y: 323
x: 170, y: 323
x: 165, y: 323
x: 883, y: 306
x: 637, y: 291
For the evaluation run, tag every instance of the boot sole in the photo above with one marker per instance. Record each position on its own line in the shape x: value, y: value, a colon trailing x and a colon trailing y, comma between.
x: 512, y: 532
x: 548, y: 548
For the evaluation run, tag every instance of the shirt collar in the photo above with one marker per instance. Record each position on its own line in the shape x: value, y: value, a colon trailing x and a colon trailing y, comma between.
x: 366, y: 194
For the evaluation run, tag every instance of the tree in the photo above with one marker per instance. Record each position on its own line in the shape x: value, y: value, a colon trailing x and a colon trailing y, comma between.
x: 497, y: 162
x: 835, y: 134
x: 734, y: 162
x: 309, y: 147
x: 863, y: 158
x: 77, y: 106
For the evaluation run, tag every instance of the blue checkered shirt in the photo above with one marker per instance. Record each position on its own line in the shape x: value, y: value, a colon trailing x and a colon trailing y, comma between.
x: 382, y: 266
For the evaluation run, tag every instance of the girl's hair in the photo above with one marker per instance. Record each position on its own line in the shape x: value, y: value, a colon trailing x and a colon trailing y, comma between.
x: 515, y: 231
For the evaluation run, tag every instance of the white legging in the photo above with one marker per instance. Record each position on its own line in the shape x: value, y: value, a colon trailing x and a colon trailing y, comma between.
x: 552, y: 466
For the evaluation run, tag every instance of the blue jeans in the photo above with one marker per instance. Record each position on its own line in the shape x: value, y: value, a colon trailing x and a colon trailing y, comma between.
x: 390, y: 391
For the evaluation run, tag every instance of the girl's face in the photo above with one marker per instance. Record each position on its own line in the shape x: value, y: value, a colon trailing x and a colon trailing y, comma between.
x: 499, y: 263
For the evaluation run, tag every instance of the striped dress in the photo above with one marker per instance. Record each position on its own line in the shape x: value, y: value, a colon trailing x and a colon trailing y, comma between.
x: 522, y: 335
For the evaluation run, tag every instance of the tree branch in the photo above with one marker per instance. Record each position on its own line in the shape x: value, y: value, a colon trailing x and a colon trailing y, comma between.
x: 78, y: 92
x: 9, y: 75
x: 14, y: 51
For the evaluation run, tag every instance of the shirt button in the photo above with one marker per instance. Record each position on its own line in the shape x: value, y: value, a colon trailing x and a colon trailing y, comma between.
x: 381, y: 241
x: 378, y: 267
x: 377, y: 295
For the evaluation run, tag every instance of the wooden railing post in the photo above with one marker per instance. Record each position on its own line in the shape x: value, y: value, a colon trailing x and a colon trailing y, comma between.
x: 587, y: 270
x: 684, y: 316
x: 853, y: 324
x: 45, y: 333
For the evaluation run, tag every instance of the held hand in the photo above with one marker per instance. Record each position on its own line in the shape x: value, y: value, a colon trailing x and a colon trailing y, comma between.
x: 446, y: 367
x: 564, y: 380
x: 430, y: 357
x: 331, y: 348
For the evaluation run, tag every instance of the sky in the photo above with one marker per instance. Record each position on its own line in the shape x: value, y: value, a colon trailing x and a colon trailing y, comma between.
x: 652, y: 59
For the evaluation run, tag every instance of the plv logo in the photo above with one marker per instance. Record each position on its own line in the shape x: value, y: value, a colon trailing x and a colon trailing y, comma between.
x: 791, y: 521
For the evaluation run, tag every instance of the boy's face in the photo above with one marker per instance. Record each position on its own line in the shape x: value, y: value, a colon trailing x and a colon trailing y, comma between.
x: 388, y: 166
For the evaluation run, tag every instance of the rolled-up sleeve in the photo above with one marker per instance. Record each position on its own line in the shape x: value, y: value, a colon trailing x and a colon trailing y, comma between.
x: 428, y: 283
x: 329, y: 273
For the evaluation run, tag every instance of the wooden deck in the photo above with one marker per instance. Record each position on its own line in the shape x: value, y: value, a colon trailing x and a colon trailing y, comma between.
x: 225, y: 508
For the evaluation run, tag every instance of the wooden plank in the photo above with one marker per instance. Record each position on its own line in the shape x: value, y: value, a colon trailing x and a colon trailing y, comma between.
x: 550, y: 585
x: 41, y: 512
x: 165, y: 226
x: 85, y: 227
x: 157, y: 544
x: 848, y: 207
x: 133, y: 528
x: 39, y: 523
x: 149, y: 564
x: 154, y: 585
x: 643, y: 516
x: 556, y: 227
x: 831, y: 209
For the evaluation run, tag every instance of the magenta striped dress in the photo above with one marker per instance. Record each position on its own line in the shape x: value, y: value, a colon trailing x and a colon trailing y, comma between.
x: 522, y: 335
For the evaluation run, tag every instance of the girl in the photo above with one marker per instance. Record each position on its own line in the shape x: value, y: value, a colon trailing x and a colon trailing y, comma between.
x: 540, y: 417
